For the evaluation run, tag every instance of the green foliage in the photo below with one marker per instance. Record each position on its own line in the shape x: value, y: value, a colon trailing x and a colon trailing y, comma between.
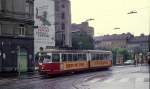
x: 82, y: 41
x: 121, y: 51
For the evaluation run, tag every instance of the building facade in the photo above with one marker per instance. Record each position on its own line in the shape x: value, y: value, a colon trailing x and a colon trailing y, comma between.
x: 82, y: 28
x: 108, y: 42
x: 82, y: 36
x: 138, y: 47
x: 63, y: 23
x: 16, y: 35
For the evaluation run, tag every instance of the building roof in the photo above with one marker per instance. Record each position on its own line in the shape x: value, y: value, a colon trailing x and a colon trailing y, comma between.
x: 113, y: 37
x: 138, y: 39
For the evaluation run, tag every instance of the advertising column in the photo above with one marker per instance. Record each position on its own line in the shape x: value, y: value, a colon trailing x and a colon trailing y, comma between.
x: 44, y: 17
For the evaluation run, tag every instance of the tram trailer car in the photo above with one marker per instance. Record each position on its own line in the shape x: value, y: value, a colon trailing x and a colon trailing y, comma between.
x: 60, y: 61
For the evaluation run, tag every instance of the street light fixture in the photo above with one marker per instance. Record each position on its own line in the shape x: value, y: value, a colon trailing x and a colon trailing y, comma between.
x: 132, y: 12
x: 116, y: 28
x: 89, y: 20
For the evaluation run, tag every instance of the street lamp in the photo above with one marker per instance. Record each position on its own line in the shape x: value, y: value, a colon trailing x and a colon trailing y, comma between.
x: 89, y: 20
x: 135, y: 12
x: 116, y: 28
x: 132, y: 12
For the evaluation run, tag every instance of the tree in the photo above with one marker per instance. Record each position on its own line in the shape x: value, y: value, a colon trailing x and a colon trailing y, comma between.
x: 82, y: 41
x: 121, y: 51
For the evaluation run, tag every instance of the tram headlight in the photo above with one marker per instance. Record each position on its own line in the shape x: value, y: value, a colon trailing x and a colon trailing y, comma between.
x: 42, y: 67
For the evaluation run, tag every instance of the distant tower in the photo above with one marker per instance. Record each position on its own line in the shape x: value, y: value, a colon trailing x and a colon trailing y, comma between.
x: 63, y: 23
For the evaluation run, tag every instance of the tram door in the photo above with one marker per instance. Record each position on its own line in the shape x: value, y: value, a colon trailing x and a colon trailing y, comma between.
x: 0, y: 60
x: 22, y: 60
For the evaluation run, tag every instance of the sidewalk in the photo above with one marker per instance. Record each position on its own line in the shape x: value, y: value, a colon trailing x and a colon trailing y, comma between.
x: 11, y: 77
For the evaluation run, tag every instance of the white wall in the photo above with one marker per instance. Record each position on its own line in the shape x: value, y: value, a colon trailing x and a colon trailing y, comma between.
x: 44, y: 35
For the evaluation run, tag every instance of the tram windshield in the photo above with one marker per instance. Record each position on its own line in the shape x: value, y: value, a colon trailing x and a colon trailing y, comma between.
x: 45, y: 58
x: 48, y: 57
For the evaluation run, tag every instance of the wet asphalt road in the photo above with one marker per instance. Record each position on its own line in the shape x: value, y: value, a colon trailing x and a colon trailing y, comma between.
x: 90, y: 80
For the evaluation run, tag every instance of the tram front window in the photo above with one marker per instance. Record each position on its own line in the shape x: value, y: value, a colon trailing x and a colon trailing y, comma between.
x: 45, y: 58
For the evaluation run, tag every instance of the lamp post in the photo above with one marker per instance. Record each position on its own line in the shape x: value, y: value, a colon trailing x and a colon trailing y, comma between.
x: 18, y: 61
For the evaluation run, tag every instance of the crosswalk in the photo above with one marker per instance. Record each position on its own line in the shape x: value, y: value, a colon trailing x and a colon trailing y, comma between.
x: 119, y: 80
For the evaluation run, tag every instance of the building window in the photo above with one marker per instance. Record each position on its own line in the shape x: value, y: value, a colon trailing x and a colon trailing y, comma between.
x: 57, y: 5
x: 63, y: 6
x: 0, y: 28
x: 62, y: 15
x: 21, y: 30
x: 6, y: 29
x: 63, y: 26
x: 27, y: 7
x: 63, y: 36
x: 29, y: 31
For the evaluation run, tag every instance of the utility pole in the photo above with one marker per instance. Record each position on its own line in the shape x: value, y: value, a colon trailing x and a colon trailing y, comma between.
x: 18, y: 61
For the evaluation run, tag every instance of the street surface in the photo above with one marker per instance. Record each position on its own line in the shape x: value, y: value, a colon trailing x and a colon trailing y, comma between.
x: 118, y: 77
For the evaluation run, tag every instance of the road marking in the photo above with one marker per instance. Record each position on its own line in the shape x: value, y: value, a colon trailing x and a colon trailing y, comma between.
x: 124, y: 80
x: 108, y: 81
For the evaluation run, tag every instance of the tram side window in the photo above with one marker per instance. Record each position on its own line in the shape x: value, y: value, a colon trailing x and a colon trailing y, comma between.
x: 109, y: 57
x: 75, y: 57
x: 64, y: 57
x: 93, y: 56
x: 84, y: 57
x: 80, y: 57
x: 101, y: 57
x: 69, y: 57
x: 97, y: 57
x: 105, y: 56
x: 55, y: 57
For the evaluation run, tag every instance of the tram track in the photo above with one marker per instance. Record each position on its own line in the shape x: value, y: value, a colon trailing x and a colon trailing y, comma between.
x: 51, y: 82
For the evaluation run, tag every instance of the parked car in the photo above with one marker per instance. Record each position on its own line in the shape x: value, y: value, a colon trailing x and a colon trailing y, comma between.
x: 129, y: 62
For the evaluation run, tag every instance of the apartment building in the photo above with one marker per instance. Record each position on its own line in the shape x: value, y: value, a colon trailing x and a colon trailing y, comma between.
x: 16, y: 35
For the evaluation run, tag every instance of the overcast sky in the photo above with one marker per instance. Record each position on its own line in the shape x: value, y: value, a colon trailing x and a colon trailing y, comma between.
x: 109, y: 14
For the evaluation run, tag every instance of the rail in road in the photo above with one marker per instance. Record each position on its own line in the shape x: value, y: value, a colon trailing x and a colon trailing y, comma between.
x: 74, y: 81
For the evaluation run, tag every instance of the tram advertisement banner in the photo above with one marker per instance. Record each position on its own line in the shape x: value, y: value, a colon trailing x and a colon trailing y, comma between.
x: 100, y: 63
x: 44, y: 33
x: 75, y: 65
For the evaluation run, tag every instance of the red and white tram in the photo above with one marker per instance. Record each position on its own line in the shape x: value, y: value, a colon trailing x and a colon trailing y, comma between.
x: 60, y: 61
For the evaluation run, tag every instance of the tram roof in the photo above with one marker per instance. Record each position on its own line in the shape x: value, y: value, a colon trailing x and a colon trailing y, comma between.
x: 76, y: 51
